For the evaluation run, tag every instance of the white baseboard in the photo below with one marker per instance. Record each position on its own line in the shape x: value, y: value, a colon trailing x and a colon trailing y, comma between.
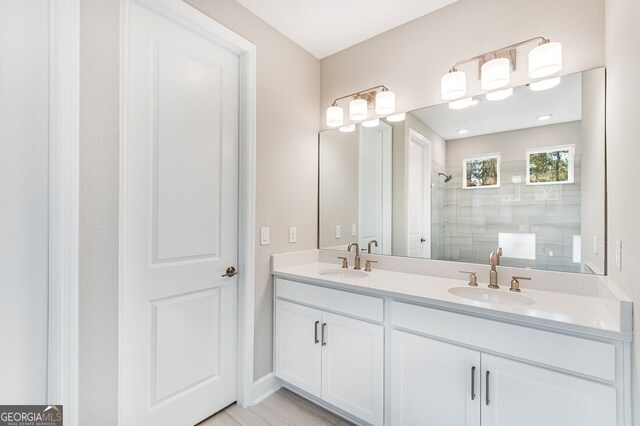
x: 265, y: 387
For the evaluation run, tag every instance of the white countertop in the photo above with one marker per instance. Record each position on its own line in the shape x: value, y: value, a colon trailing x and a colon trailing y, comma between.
x: 570, y: 312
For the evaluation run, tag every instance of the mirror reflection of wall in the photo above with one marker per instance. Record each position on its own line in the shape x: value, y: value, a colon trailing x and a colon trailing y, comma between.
x: 525, y: 173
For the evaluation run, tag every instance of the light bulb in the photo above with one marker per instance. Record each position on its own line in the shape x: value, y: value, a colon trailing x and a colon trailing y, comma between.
x: 358, y: 109
x: 462, y: 103
x: 453, y: 85
x: 335, y: 116
x: 371, y: 123
x: 545, y: 60
x: 541, y: 85
x: 499, y: 95
x: 385, y: 102
x: 495, y: 74
x: 348, y: 128
x: 396, y: 118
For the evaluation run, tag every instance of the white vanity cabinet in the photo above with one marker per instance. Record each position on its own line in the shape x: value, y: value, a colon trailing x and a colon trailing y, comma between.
x: 448, y: 383
x: 333, y: 356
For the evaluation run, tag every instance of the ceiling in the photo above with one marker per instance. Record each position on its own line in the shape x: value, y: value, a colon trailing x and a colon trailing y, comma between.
x: 326, y: 27
x: 520, y: 111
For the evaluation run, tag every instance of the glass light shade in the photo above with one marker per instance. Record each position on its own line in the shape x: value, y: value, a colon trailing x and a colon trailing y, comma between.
x: 385, y: 102
x: 335, y: 116
x: 371, y: 123
x: 348, y: 128
x: 462, y: 103
x: 495, y: 74
x: 358, y: 110
x: 453, y: 85
x: 396, y: 118
x: 499, y: 95
x: 545, y: 60
x: 541, y: 85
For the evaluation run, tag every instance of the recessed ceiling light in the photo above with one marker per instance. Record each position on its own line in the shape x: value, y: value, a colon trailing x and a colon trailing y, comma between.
x: 544, y: 117
x: 348, y: 128
x: 396, y: 118
x: 463, y: 131
x: 541, y: 85
x: 462, y: 103
x: 499, y: 95
x: 371, y: 123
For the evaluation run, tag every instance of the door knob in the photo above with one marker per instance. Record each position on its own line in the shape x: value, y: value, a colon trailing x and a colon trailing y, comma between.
x: 422, y: 240
x: 231, y: 271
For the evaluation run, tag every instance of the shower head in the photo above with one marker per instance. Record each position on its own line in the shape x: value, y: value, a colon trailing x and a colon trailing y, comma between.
x: 447, y: 178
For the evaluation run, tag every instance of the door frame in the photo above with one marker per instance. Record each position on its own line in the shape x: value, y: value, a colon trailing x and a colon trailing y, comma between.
x: 186, y: 15
x: 417, y: 137
x: 64, y: 166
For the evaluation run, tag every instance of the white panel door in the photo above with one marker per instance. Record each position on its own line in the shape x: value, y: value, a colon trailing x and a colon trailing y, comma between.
x: 419, y: 202
x: 297, y: 346
x: 375, y: 188
x: 521, y: 394
x: 24, y: 188
x: 179, y: 223
x: 353, y: 366
x: 433, y: 383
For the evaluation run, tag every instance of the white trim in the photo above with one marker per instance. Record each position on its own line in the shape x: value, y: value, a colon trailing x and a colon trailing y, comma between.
x: 264, y: 387
x: 195, y: 20
x: 62, y: 385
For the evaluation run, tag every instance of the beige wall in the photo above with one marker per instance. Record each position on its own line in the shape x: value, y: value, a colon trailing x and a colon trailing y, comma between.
x: 287, y: 126
x: 98, y: 275
x: 593, y: 169
x: 410, y: 59
x: 623, y: 159
x: 338, y: 186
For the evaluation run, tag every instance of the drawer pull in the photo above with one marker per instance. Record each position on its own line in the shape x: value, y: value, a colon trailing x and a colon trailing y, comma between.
x: 315, y: 332
x: 487, y: 388
x: 473, y: 383
x: 324, y: 342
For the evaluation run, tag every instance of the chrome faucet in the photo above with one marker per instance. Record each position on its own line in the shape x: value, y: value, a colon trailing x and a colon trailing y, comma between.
x: 494, y: 259
x: 357, y: 259
x: 374, y: 242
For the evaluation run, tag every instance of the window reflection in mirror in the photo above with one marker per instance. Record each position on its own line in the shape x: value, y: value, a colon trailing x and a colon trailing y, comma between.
x: 524, y: 173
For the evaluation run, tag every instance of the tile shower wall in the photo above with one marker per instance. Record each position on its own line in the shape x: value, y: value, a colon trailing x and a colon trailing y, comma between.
x: 474, y: 217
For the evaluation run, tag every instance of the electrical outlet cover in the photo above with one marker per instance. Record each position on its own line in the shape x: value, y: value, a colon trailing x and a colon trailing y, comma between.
x: 292, y: 234
x: 264, y: 236
x: 338, y: 231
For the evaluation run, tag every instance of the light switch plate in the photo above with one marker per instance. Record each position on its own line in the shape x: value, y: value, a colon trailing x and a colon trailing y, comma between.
x: 292, y: 234
x: 338, y: 231
x: 264, y: 236
x: 354, y: 230
x: 619, y: 255
x: 595, y: 244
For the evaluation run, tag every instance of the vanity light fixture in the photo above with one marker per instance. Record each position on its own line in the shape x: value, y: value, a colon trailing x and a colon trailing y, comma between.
x: 348, y: 128
x: 496, y: 67
x: 544, y: 117
x: 463, y: 103
x: 379, y: 98
x: 371, y: 123
x: 541, y: 85
x: 499, y: 95
x: 396, y: 117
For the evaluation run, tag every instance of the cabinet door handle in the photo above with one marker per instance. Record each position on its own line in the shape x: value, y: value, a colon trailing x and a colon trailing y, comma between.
x: 315, y: 332
x: 324, y: 342
x: 486, y: 395
x: 473, y: 383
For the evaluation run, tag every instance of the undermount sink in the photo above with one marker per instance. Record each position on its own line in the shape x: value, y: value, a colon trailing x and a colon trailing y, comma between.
x: 343, y: 273
x: 492, y: 296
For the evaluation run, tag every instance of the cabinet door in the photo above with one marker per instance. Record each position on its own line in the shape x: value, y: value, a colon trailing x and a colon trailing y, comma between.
x: 353, y: 366
x: 521, y: 394
x: 433, y: 383
x: 298, y: 352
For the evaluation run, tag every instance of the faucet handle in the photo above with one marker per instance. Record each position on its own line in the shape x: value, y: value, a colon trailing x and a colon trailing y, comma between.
x: 345, y: 263
x: 367, y: 265
x: 473, y: 279
x: 515, y: 283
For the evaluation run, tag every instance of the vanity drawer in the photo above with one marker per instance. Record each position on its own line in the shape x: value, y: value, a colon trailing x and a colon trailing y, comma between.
x: 357, y: 305
x: 576, y: 354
